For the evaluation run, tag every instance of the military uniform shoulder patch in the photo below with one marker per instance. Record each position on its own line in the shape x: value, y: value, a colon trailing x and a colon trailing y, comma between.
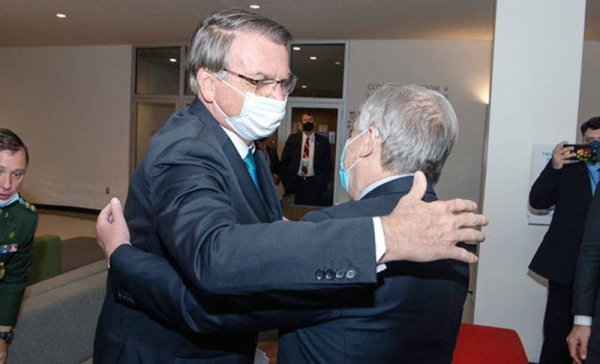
x: 28, y: 205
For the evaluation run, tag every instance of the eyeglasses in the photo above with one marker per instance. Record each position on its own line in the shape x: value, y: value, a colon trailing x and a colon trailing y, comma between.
x: 267, y: 86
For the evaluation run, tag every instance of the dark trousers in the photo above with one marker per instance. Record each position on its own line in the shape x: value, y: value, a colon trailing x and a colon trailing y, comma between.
x: 308, y: 192
x: 558, y: 322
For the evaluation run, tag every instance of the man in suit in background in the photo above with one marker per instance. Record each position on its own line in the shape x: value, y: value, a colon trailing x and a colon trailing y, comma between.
x: 568, y: 185
x: 205, y: 201
x: 307, y: 165
x: 584, y: 339
x: 411, y: 315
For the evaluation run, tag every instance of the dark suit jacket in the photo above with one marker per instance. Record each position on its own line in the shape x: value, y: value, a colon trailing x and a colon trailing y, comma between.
x: 192, y: 201
x: 569, y: 191
x: 587, y: 279
x: 292, y: 154
x: 411, y: 315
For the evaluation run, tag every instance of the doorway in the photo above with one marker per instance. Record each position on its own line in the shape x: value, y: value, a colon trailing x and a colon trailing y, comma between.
x: 328, y: 116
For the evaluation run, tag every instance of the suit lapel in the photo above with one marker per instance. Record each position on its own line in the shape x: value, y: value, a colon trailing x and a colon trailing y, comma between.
x: 265, y: 180
x: 242, y: 176
x: 248, y: 188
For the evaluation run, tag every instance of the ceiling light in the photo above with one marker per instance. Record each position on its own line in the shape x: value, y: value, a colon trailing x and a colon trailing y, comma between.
x: 296, y: 48
x: 304, y: 86
x: 337, y: 63
x: 173, y: 60
x: 254, y: 6
x: 313, y: 58
x: 61, y: 15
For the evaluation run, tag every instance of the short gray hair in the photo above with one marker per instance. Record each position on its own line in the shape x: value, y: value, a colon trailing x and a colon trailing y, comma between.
x: 418, y: 128
x: 213, y: 37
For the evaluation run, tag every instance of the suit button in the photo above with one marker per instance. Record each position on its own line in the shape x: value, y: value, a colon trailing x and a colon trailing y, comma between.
x: 350, y: 274
x: 320, y: 274
x: 330, y: 274
x: 339, y: 273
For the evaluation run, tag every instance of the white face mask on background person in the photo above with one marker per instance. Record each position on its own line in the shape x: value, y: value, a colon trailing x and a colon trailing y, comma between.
x: 4, y: 203
x: 259, y: 118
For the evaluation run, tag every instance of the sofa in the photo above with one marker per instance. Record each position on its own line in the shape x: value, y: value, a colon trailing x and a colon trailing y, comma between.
x: 58, y: 317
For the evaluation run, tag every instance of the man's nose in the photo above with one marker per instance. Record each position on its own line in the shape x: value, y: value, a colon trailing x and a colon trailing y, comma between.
x: 5, y: 181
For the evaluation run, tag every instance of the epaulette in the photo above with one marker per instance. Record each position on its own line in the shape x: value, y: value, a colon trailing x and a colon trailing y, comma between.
x: 27, y: 205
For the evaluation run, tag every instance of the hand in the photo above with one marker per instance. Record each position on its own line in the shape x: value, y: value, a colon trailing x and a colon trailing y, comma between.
x: 578, y: 342
x: 562, y: 155
x: 426, y: 231
x: 3, y: 351
x: 111, y: 228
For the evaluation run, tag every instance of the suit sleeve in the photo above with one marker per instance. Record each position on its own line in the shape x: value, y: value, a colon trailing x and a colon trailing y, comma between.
x: 218, y: 255
x: 149, y: 281
x: 587, y: 276
x: 543, y: 192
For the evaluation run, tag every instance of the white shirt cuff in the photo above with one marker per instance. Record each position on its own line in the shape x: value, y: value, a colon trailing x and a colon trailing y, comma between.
x: 379, y: 243
x: 582, y: 320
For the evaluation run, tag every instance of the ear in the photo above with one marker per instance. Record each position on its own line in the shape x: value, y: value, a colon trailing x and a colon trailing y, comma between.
x: 368, y: 145
x: 206, y: 85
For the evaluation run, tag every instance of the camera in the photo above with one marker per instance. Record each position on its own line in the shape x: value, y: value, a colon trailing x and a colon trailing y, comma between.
x: 585, y: 152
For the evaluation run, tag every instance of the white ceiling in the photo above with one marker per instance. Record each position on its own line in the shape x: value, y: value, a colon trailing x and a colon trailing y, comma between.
x: 159, y: 22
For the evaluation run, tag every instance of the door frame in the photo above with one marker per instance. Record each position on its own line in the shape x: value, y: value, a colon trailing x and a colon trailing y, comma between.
x: 285, y: 129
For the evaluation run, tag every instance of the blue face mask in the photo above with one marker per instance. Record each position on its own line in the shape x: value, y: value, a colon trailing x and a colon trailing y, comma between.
x: 4, y: 203
x: 343, y: 174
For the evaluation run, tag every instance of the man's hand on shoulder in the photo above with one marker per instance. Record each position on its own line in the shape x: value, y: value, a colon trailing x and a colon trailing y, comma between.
x: 111, y: 228
x: 426, y: 231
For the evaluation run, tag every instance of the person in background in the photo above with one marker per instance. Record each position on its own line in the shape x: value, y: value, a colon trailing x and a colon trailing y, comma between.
x: 412, y: 314
x: 567, y: 185
x: 306, y: 164
x: 271, y: 157
x: 18, y: 221
x: 584, y: 339
x: 205, y: 201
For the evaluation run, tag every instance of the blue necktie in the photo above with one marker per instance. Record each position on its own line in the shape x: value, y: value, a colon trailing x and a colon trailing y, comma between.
x: 251, y: 167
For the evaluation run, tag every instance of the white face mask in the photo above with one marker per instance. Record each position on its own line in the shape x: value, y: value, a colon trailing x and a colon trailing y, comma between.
x: 259, y: 118
x: 4, y: 203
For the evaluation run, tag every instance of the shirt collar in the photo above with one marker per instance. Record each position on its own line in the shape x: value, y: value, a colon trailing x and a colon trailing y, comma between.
x: 382, y: 181
x: 239, y: 144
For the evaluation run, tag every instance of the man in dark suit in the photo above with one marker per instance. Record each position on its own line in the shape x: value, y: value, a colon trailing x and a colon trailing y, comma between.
x: 584, y: 339
x: 410, y: 315
x: 203, y: 200
x: 568, y: 185
x: 307, y: 165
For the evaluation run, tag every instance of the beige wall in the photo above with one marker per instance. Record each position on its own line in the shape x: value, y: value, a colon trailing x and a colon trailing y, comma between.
x: 458, y: 69
x: 70, y: 105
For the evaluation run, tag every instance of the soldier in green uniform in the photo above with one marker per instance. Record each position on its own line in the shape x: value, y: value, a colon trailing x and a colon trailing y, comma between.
x: 18, y: 220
